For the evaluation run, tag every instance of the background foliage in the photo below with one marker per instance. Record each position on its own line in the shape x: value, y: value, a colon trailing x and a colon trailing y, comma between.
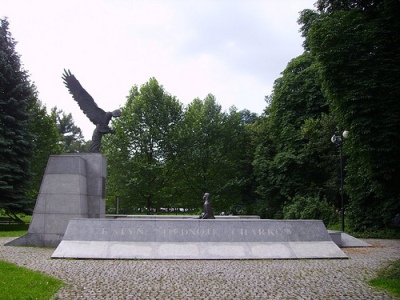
x: 357, y: 47
x: 171, y: 156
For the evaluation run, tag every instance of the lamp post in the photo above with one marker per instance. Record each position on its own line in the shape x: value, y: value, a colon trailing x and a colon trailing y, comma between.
x: 117, y: 205
x: 338, y: 140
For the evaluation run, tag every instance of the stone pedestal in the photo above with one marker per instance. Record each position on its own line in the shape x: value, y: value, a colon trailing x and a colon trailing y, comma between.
x: 73, y: 186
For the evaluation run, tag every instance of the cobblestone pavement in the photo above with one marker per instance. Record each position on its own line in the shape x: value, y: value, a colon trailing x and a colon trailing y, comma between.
x: 208, y: 279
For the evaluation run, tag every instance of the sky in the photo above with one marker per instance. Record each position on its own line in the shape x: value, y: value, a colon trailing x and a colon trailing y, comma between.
x: 233, y: 49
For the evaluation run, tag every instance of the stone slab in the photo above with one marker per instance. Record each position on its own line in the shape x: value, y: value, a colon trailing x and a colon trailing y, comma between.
x: 198, y: 250
x: 344, y: 240
x: 196, y: 239
x: 119, y: 216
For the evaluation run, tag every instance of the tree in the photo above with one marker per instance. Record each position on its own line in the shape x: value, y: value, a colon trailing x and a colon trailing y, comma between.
x: 165, y: 157
x: 357, y: 47
x: 284, y: 165
x: 142, y: 153
x: 71, y: 137
x: 16, y: 142
x: 215, y: 155
x: 309, y: 207
x: 239, y: 136
x: 46, y: 140
x: 200, y: 157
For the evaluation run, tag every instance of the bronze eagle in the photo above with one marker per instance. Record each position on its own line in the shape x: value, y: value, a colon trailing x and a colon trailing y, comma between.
x: 89, y: 107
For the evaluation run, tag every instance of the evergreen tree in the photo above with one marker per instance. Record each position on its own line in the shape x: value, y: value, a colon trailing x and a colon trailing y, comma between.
x: 16, y: 145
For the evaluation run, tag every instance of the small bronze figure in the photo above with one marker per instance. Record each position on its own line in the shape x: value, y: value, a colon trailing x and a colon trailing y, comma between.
x: 208, y: 212
x: 95, y: 114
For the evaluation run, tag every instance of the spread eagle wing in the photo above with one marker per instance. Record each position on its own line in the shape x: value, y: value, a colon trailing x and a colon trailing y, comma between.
x: 85, y: 101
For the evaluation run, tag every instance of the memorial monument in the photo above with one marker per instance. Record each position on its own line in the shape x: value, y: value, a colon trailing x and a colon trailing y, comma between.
x: 70, y: 214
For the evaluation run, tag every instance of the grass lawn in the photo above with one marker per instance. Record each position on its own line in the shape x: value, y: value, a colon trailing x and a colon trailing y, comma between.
x: 388, y: 279
x: 20, y: 283
x: 10, y: 230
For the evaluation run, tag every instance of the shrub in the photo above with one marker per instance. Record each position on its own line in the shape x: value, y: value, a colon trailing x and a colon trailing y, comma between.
x: 310, y: 207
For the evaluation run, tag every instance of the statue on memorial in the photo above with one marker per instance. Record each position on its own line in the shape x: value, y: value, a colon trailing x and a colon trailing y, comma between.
x: 208, y: 212
x: 95, y: 114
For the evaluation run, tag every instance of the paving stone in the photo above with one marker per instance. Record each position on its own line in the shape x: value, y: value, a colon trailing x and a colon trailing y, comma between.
x: 213, y: 279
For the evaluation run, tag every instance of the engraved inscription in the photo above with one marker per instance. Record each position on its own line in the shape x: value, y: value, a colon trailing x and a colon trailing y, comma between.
x: 122, y: 231
x: 186, y: 231
x: 261, y: 231
x: 136, y: 231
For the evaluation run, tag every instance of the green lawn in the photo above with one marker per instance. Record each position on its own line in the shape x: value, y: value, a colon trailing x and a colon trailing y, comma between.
x: 388, y: 279
x: 10, y: 230
x: 20, y: 283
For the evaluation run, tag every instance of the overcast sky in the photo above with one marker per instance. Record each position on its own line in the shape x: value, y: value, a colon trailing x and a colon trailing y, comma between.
x: 233, y: 49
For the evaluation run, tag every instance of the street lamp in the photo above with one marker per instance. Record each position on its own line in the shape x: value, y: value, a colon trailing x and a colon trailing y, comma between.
x: 338, y: 140
x: 117, y: 205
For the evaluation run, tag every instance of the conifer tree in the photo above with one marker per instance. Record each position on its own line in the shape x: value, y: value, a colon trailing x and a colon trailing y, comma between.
x: 16, y: 145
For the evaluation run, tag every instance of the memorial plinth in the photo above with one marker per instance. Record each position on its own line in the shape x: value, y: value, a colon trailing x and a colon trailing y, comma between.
x: 73, y: 186
x: 196, y: 239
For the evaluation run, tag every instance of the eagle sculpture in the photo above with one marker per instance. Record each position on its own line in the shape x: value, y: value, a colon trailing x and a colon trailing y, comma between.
x: 95, y: 114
